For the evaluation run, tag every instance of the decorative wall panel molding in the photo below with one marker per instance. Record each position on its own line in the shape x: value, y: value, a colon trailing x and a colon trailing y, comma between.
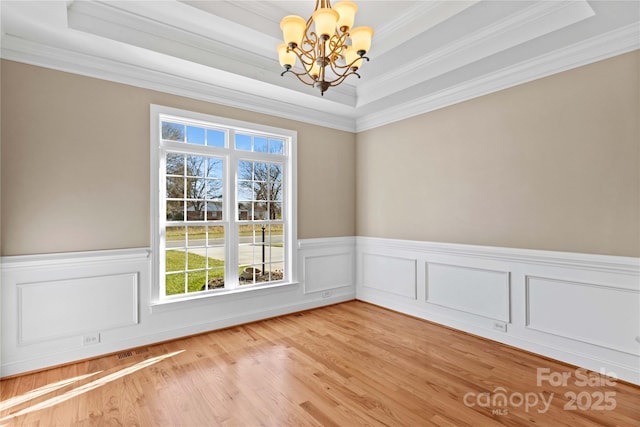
x: 473, y: 290
x: 91, y: 304
x: 596, y: 314
x: 327, y: 265
x: 325, y: 272
x: 582, y: 309
x: 395, y: 275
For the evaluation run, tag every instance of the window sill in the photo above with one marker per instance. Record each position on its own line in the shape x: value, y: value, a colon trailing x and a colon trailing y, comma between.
x: 227, y: 295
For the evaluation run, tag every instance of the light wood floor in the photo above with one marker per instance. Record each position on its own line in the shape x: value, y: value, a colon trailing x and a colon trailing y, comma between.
x: 350, y: 364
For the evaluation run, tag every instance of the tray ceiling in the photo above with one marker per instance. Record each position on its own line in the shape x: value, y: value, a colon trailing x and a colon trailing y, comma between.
x: 425, y: 54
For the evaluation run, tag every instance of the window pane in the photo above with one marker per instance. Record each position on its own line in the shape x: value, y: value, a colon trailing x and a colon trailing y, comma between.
x: 196, y: 165
x: 175, y: 211
x: 196, y: 188
x: 174, y: 283
x: 172, y: 131
x: 277, y: 237
x: 275, y: 182
x: 196, y: 281
x: 275, y: 172
x: 275, y: 211
x: 195, y: 135
x: 196, y: 236
x: 243, y: 142
x: 275, y: 146
x: 244, y: 211
x: 195, y: 210
x: 214, y: 211
x: 245, y: 170
x: 260, y: 171
x: 175, y: 188
x: 260, y: 211
x: 174, y: 261
x: 260, y: 144
x: 261, y: 191
x: 215, y: 239
x: 175, y: 164
x: 245, y: 190
x: 215, y: 279
x: 196, y: 259
x: 213, y: 189
x: 215, y: 138
x: 175, y: 238
x: 214, y: 168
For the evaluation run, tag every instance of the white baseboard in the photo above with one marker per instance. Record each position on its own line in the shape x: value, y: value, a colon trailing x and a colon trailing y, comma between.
x: 581, y: 309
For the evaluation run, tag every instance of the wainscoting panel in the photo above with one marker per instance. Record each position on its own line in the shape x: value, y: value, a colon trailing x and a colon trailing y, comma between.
x: 327, y: 267
x: 586, y: 312
x: 394, y: 275
x: 472, y: 290
x: 326, y: 272
x: 91, y: 304
x: 578, y: 308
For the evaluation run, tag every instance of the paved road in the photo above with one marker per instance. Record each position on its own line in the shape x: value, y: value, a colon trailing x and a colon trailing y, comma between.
x: 247, y: 254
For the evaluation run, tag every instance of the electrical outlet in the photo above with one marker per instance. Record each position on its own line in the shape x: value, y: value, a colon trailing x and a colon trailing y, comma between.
x: 91, y: 339
x: 500, y: 326
x: 326, y: 294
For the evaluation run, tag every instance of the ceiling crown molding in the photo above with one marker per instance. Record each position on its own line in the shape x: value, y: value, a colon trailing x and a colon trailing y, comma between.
x: 418, y: 19
x: 616, y: 42
x: 530, y: 23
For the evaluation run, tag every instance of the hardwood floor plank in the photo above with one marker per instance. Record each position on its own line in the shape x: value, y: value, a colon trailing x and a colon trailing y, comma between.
x: 351, y: 364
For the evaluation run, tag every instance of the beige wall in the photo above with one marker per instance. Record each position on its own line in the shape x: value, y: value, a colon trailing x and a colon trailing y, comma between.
x: 75, y: 164
x: 552, y: 164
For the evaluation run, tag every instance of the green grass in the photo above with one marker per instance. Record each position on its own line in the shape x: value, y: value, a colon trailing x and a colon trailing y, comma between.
x: 175, y: 262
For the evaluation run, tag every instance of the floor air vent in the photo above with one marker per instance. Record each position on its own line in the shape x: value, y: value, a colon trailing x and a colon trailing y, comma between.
x: 130, y: 353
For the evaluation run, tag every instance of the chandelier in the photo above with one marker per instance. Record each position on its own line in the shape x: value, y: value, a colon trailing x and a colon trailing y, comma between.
x: 329, y: 52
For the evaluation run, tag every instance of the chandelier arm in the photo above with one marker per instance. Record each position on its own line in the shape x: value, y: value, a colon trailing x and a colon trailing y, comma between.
x: 352, y: 73
x: 335, y: 67
x: 336, y: 43
x: 299, y: 75
x: 339, y: 80
x: 305, y: 59
x: 311, y: 40
x: 342, y: 71
x: 341, y: 77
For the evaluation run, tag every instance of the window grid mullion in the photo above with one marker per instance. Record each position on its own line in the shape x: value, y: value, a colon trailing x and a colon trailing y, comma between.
x: 232, y: 239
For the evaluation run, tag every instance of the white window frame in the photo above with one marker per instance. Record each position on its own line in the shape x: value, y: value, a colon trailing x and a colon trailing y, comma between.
x: 230, y: 220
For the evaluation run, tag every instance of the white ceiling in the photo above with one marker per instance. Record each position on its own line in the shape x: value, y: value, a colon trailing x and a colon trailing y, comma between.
x: 425, y: 54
